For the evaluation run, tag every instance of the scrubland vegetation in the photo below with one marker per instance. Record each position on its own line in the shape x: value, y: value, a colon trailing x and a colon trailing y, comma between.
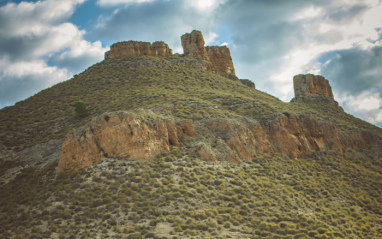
x: 176, y: 195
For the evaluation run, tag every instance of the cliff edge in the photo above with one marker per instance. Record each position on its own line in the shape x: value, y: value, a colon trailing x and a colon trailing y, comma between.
x: 313, y: 88
x: 215, y: 58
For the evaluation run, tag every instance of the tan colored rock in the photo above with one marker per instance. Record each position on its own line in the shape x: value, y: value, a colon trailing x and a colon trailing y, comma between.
x: 206, y: 153
x: 217, y: 58
x: 127, y: 135
x: 314, y: 88
x: 291, y: 135
x: 295, y: 136
x: 221, y: 60
x: 120, y: 135
x: 311, y: 85
x: 193, y: 45
x: 135, y: 48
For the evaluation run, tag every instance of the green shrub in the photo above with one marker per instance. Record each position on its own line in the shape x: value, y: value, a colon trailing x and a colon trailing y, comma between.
x: 80, y: 109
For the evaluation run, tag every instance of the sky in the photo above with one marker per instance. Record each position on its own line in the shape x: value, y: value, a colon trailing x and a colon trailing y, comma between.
x: 45, y: 42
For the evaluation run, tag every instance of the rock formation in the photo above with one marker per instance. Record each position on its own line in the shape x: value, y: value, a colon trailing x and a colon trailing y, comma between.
x: 135, y: 48
x: 218, y: 56
x: 213, y: 58
x: 312, y: 88
x: 133, y: 136
x: 120, y: 135
x: 221, y: 60
x: 291, y: 135
x: 193, y: 45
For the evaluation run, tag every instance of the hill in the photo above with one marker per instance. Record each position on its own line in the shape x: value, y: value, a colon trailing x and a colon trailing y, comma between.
x: 217, y: 158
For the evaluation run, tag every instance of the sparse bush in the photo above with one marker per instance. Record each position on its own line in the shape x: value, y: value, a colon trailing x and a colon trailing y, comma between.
x: 80, y: 109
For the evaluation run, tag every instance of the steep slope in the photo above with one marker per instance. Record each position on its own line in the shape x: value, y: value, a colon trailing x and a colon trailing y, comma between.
x: 220, y: 159
x: 178, y: 85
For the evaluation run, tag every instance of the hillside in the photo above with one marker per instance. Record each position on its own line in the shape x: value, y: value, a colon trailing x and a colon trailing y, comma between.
x: 217, y: 158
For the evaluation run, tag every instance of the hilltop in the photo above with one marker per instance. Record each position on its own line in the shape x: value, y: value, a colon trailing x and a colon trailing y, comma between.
x: 177, y: 146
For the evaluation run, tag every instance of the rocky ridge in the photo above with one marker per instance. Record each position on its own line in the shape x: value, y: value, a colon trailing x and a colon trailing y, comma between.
x: 126, y: 135
x: 215, y: 58
x: 145, y: 134
x: 121, y: 135
x: 135, y: 48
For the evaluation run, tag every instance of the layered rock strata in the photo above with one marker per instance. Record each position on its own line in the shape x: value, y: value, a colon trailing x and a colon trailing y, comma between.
x: 135, y: 48
x: 120, y: 135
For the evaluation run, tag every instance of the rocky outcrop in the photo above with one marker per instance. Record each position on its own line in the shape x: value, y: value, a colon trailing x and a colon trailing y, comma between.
x: 313, y: 88
x: 291, y: 135
x: 193, y: 45
x: 135, y: 48
x: 121, y: 135
x: 214, y: 58
x: 220, y: 58
x: 138, y: 136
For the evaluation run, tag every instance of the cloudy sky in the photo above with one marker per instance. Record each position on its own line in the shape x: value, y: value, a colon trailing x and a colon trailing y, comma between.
x: 45, y: 42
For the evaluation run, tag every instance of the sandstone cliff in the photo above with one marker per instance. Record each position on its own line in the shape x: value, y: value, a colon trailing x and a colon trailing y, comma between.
x: 236, y: 140
x: 313, y: 88
x: 127, y: 135
x: 213, y: 58
x: 120, y: 135
x: 219, y: 57
x: 135, y: 48
x: 193, y: 45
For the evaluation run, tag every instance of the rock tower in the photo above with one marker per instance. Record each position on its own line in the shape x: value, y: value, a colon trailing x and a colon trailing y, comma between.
x: 311, y: 87
x: 218, y: 56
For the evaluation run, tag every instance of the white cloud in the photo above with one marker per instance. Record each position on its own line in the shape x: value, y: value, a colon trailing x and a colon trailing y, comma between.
x: 367, y: 105
x: 323, y: 36
x: 307, y: 13
x: 109, y: 3
x: 210, y: 38
x: 206, y: 6
x: 31, y: 34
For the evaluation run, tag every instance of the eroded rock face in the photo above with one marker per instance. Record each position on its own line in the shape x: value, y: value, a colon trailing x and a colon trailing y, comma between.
x: 120, y: 135
x: 135, y: 48
x: 214, y: 58
x: 218, y: 58
x: 126, y: 135
x: 311, y: 86
x: 287, y: 134
x: 221, y: 60
x: 193, y: 45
